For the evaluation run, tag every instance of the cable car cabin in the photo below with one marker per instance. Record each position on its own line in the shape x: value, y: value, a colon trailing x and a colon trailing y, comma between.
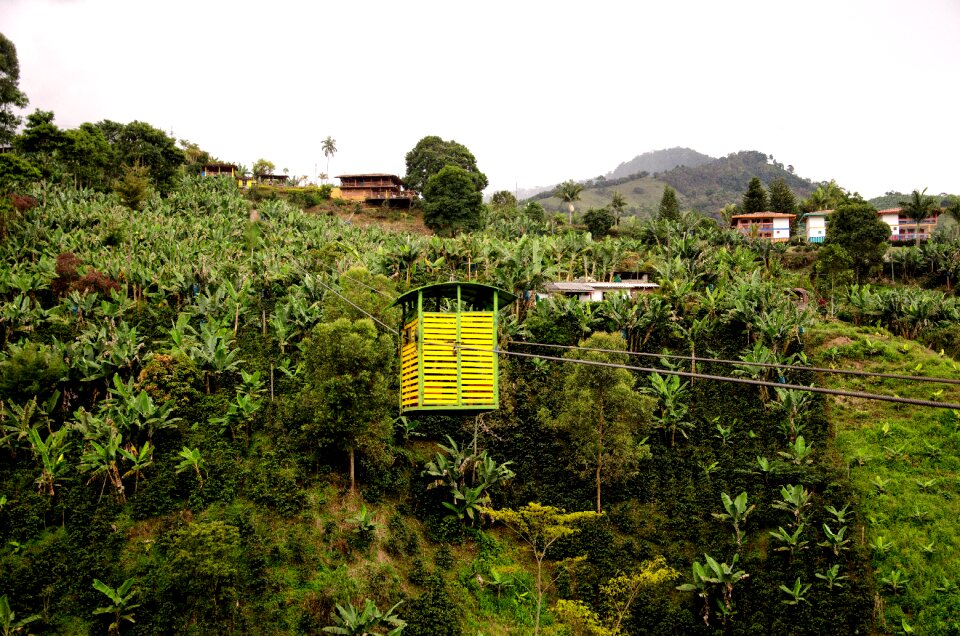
x: 447, y: 363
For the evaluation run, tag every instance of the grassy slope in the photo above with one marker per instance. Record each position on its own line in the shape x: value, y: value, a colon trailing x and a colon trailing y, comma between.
x: 905, y: 463
x: 642, y: 196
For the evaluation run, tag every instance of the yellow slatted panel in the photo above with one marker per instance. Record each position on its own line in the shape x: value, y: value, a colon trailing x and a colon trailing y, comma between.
x: 477, y: 376
x: 439, y: 359
x: 408, y: 379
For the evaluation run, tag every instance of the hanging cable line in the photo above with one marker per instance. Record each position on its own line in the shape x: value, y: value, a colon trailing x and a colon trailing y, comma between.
x: 390, y: 329
x: 359, y: 282
x: 700, y: 376
x: 796, y: 367
x: 721, y: 378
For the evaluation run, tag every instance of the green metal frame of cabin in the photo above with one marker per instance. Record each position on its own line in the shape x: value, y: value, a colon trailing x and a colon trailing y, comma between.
x: 448, y: 364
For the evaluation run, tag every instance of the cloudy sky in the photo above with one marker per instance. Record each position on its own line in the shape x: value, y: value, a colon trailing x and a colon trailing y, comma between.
x: 865, y: 92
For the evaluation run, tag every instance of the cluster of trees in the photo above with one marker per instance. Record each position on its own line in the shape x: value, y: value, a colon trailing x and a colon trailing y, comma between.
x: 446, y: 173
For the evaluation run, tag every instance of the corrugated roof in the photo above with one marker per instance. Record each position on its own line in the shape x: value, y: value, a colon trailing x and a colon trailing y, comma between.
x: 564, y: 286
x: 764, y: 215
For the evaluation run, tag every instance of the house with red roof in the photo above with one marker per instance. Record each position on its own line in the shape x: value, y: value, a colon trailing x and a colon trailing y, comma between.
x: 770, y: 226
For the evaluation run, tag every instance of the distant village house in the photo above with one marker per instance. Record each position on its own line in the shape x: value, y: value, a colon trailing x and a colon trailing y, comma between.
x: 770, y: 226
x: 902, y: 228
x: 374, y: 190
x: 592, y: 291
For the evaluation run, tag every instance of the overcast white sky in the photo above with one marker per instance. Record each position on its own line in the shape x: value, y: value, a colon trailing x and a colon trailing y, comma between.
x: 865, y: 92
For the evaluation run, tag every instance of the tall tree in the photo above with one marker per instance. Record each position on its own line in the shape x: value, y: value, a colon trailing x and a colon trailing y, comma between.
x: 431, y: 154
x: 262, y: 166
x: 919, y: 207
x: 540, y: 527
x: 755, y: 198
x: 568, y: 192
x: 329, y: 147
x: 347, y: 392
x: 599, y: 221
x: 782, y: 198
x: 452, y: 202
x: 140, y: 143
x: 669, y: 209
x: 10, y: 94
x: 863, y: 236
x: 603, y: 415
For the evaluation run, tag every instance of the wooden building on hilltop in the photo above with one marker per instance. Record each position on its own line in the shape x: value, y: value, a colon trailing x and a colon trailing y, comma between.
x: 218, y: 170
x: 375, y: 190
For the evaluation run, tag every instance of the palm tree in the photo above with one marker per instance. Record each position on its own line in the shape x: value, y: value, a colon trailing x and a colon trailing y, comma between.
x: 617, y: 205
x: 919, y: 208
x: 329, y: 147
x: 568, y: 192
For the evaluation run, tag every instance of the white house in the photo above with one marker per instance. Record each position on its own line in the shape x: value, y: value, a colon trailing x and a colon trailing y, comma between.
x: 903, y: 228
x: 772, y: 226
x: 590, y: 291
x: 817, y: 225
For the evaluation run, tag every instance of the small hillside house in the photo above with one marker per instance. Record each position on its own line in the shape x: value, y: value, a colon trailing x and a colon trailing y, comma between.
x: 591, y: 291
x: 903, y: 228
x: 817, y: 225
x: 374, y: 190
x: 218, y: 170
x: 274, y: 179
x: 770, y: 226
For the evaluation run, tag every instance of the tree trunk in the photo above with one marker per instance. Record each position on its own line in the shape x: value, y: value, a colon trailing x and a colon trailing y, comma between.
x: 536, y: 625
x: 353, y: 482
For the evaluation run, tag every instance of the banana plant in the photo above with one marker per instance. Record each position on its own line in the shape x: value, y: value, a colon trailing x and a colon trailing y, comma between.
x: 792, y: 542
x: 139, y: 460
x: 839, y: 515
x: 8, y: 619
x: 835, y: 540
x: 50, y: 452
x: 832, y: 576
x: 671, y: 412
x: 794, y: 499
x: 214, y: 353
x: 798, y: 452
x: 350, y: 621
x: 100, y: 459
x: 736, y: 513
x: 793, y: 405
x: 796, y: 593
x: 120, y: 603
x: 190, y: 458
x: 725, y: 576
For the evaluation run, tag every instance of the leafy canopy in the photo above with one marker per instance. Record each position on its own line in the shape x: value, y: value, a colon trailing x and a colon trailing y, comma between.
x: 432, y: 154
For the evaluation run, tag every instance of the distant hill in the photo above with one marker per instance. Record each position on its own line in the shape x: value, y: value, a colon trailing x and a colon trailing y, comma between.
x: 711, y: 186
x: 893, y: 199
x: 706, y: 187
x: 660, y: 161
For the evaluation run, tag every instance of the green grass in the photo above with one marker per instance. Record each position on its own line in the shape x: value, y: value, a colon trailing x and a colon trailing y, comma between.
x: 904, y: 461
x: 642, y: 197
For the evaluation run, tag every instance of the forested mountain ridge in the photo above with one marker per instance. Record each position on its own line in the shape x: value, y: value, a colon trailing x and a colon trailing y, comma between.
x: 706, y: 187
x: 660, y: 161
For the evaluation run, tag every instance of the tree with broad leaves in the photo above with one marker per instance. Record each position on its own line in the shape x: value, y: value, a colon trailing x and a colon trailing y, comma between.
x: 432, y: 154
x: 10, y: 94
x: 603, y: 415
x: 348, y: 373
x: 540, y: 527
x: 919, y: 207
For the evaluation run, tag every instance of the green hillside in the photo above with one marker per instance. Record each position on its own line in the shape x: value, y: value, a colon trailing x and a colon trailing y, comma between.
x: 660, y: 161
x: 706, y: 187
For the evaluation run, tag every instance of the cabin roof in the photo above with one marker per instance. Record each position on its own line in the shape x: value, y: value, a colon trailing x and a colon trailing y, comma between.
x: 475, y: 294
x: 764, y: 215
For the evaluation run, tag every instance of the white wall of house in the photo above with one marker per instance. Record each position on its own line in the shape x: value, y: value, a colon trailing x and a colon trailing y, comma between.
x: 781, y: 229
x: 816, y: 228
x: 893, y: 220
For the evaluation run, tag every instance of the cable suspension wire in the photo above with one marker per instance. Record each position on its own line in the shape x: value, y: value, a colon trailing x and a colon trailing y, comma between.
x: 359, y: 282
x: 796, y: 367
x: 390, y: 329
x: 719, y: 378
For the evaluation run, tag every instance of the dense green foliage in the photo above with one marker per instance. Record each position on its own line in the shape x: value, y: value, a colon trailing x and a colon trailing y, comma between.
x: 10, y: 94
x: 432, y: 154
x: 180, y: 395
x: 452, y: 201
x: 669, y: 209
x: 856, y: 228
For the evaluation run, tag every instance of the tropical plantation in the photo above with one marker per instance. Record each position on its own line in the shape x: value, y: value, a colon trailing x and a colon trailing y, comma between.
x: 204, y: 425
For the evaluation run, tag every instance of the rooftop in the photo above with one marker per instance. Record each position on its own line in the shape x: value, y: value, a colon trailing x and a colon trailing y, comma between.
x: 764, y: 215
